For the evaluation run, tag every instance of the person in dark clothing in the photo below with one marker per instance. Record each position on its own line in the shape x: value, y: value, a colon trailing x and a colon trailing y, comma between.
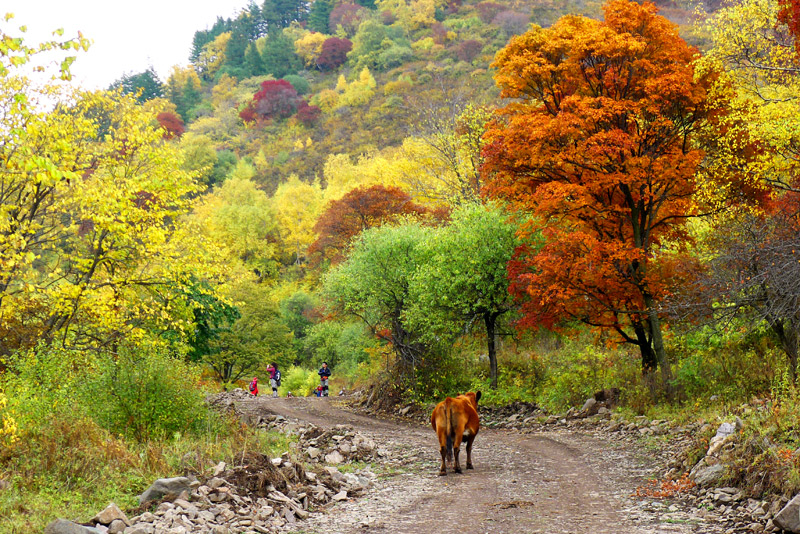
x: 324, y: 373
x: 274, y: 378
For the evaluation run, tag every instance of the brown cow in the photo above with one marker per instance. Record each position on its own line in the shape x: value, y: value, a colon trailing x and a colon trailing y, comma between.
x: 454, y: 420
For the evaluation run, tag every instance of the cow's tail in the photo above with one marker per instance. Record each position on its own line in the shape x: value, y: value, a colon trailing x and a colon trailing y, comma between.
x: 450, y: 426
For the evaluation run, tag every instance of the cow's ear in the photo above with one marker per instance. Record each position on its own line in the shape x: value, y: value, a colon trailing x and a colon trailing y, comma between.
x: 477, y: 397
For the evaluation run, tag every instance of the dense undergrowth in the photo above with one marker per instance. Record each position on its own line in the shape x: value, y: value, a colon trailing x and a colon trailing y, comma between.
x: 79, y: 432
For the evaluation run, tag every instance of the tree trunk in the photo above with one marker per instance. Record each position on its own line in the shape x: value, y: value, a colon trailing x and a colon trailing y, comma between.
x: 490, y: 319
x: 654, y: 324
x: 787, y: 335
x: 649, y: 358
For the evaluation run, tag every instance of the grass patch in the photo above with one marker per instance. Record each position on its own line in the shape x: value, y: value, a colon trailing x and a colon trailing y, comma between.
x: 74, y: 471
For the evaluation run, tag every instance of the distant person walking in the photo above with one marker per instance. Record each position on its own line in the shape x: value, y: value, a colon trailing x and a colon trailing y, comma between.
x: 324, y: 374
x: 274, y: 378
x: 254, y: 386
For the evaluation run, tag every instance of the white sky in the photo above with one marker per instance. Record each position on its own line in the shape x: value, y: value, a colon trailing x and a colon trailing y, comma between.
x: 128, y: 36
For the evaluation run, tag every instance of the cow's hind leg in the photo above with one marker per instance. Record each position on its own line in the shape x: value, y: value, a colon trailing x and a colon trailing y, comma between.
x: 457, y: 447
x: 470, y: 439
x: 443, y: 468
x: 450, y: 450
x: 441, y: 433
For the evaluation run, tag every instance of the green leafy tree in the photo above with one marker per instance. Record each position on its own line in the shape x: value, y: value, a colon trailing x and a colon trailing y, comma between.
x: 259, y: 336
x: 373, y: 283
x: 464, y: 280
x: 376, y: 46
x: 212, y: 316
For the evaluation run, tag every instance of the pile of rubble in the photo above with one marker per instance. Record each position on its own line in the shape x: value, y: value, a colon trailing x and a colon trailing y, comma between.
x: 260, y: 495
x: 337, y: 445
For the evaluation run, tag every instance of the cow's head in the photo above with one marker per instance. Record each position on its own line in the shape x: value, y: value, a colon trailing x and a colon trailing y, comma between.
x: 473, y: 398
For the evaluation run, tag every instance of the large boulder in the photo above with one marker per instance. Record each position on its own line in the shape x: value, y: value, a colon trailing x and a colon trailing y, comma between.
x: 334, y: 458
x: 62, y: 526
x: 705, y: 475
x: 110, y: 514
x: 165, y: 486
x: 789, y: 517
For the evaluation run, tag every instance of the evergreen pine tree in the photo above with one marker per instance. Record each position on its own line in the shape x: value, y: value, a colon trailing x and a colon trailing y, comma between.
x: 279, y: 58
x: 253, y: 64
x: 203, y: 37
x: 319, y: 15
x: 186, y: 101
x: 147, y: 82
x: 237, y: 45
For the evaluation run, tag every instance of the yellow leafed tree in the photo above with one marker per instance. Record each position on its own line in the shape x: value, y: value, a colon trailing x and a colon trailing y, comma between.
x: 309, y: 47
x: 213, y: 56
x: 297, y: 205
x: 760, y: 81
x: 91, y: 203
x: 239, y: 216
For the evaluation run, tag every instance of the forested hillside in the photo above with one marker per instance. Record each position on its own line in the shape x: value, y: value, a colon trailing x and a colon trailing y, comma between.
x: 535, y: 199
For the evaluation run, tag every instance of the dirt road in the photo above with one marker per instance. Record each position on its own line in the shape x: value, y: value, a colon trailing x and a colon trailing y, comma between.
x: 554, y: 483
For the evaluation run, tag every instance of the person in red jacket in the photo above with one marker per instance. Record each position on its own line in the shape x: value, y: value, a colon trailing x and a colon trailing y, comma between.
x: 254, y: 386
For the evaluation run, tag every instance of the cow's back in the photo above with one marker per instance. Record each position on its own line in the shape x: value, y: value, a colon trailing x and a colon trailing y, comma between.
x: 467, y: 406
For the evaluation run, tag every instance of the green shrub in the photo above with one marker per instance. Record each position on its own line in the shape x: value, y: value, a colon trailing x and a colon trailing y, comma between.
x: 42, y: 381
x: 519, y: 375
x: 301, y: 382
x: 725, y: 363
x: 444, y: 371
x: 577, y: 370
x: 146, y: 394
x: 394, y: 56
x: 299, y: 83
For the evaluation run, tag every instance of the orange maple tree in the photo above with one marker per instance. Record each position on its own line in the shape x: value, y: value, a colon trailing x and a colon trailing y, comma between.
x: 599, y: 142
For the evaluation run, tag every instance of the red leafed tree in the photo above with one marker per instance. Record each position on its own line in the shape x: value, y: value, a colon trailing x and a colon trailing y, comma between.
x: 308, y: 115
x: 468, y: 50
x: 600, y: 142
x: 789, y: 14
x: 358, y: 210
x: 277, y: 99
x: 334, y: 53
x: 488, y: 10
x: 348, y: 16
x: 172, y: 124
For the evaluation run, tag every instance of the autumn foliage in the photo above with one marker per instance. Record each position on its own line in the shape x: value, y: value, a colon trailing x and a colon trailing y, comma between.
x: 334, y: 53
x: 599, y: 142
x: 171, y: 123
x: 308, y: 115
x: 277, y: 99
x: 358, y: 210
x: 789, y: 14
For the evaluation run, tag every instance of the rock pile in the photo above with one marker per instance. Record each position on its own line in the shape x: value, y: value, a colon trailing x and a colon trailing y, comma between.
x: 261, y: 495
